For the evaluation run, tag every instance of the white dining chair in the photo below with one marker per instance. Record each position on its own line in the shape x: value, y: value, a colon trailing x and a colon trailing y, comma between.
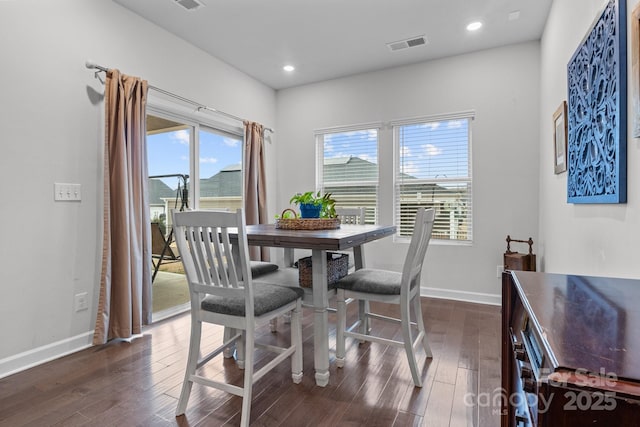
x: 258, y: 268
x: 393, y: 288
x: 222, y: 292
x: 351, y: 215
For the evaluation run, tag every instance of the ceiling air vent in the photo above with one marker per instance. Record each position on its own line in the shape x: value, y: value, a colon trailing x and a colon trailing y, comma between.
x: 404, y: 44
x: 189, y: 4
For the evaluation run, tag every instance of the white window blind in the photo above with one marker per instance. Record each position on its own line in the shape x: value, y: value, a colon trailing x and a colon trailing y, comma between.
x: 347, y: 167
x: 433, y: 170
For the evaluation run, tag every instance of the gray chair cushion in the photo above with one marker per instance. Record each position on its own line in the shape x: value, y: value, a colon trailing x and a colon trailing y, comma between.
x: 266, y: 298
x: 258, y: 268
x: 371, y: 281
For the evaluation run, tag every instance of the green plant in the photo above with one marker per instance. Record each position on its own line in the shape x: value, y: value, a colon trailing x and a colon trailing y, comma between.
x: 306, y: 198
x: 287, y: 214
x: 327, y: 203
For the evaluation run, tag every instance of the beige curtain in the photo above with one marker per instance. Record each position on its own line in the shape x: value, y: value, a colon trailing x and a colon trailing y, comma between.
x: 125, y: 282
x: 255, y: 185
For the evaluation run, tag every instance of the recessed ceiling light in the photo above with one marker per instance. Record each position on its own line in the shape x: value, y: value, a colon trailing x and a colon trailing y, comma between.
x: 474, y: 26
x: 289, y: 68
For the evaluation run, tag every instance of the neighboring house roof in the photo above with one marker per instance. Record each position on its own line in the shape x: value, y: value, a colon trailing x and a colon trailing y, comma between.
x: 227, y: 182
x: 158, y: 190
x: 341, y: 169
x: 351, y: 168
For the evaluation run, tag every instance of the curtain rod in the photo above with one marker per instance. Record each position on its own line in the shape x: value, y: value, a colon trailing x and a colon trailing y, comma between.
x: 92, y: 65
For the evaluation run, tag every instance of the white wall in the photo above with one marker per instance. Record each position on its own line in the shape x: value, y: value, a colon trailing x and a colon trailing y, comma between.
x: 594, y: 239
x: 501, y: 85
x: 51, y: 115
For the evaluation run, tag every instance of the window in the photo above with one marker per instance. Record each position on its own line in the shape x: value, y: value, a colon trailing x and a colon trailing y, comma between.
x: 220, y: 170
x: 168, y: 143
x: 433, y: 170
x: 348, y: 167
x: 180, y: 148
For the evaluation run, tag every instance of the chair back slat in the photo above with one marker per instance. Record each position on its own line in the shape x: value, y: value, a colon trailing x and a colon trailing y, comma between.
x: 196, y: 246
x: 417, y: 249
x: 216, y: 257
x: 205, y: 244
x: 231, y: 267
x: 201, y: 244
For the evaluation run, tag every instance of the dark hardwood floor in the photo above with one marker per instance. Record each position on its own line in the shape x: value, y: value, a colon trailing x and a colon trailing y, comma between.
x: 138, y: 383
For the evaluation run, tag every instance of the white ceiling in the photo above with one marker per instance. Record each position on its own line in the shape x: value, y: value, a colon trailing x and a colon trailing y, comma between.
x: 325, y: 39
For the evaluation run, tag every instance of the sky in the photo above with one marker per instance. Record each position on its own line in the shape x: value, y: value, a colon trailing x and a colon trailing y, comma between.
x: 360, y: 143
x: 429, y: 150
x: 168, y: 153
x: 435, y: 150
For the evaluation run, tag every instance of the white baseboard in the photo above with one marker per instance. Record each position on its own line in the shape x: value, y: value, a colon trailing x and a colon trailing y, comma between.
x: 37, y: 356
x: 475, y: 297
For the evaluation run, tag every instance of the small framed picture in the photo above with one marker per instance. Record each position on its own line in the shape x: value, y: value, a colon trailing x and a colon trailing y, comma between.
x: 560, y: 138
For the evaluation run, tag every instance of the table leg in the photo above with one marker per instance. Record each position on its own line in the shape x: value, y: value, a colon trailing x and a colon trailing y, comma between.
x: 358, y: 257
x: 320, y: 317
x: 288, y: 257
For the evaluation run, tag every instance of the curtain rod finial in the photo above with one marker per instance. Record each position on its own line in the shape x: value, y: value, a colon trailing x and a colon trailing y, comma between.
x: 90, y: 64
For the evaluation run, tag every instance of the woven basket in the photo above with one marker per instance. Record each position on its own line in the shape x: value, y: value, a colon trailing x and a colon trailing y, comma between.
x: 337, y: 268
x: 306, y: 223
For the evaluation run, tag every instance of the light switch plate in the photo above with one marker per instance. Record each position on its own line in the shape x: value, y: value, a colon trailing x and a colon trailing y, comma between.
x: 67, y: 192
x: 81, y: 301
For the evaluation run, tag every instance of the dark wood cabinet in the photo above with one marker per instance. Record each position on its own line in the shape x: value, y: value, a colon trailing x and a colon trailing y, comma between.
x: 570, y: 350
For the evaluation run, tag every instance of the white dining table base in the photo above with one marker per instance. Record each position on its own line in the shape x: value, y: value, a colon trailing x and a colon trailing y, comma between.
x: 320, y: 316
x: 320, y: 298
x: 319, y: 242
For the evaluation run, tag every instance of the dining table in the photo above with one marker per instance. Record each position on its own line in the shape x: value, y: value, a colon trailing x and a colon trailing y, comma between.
x: 320, y: 242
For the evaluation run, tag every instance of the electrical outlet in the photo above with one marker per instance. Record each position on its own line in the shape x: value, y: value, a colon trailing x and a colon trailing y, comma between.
x: 499, y: 270
x: 67, y: 192
x: 81, y: 301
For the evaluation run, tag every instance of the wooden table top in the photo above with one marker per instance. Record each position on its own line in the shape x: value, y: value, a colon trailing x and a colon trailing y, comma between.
x: 589, y: 323
x: 347, y: 236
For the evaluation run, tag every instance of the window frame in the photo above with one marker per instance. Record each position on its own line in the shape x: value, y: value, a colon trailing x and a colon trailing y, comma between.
x: 395, y: 127
x: 319, y: 135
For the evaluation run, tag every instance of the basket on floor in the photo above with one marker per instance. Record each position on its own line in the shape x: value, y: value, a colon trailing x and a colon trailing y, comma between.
x: 337, y: 268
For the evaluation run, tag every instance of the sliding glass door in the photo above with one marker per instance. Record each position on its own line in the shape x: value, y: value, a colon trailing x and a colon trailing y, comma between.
x: 178, y: 149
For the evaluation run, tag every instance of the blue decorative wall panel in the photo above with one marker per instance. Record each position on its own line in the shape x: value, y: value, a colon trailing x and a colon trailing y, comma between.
x: 597, y: 112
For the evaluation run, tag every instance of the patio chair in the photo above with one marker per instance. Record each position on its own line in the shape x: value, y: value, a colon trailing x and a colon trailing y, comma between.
x: 159, y: 244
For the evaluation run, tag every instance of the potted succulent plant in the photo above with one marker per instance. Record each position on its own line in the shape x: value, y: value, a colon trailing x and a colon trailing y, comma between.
x: 315, y: 205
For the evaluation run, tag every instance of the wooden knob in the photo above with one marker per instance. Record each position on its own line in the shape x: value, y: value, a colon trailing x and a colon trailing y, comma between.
x: 526, y: 372
x: 529, y: 385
